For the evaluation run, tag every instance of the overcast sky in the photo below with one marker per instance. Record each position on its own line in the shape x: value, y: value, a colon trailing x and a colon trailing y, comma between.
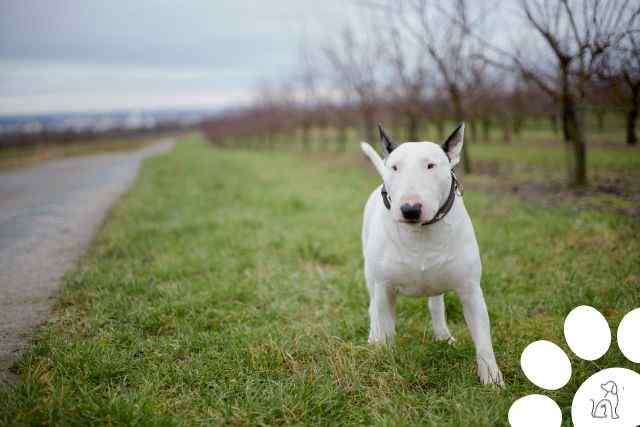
x: 79, y: 55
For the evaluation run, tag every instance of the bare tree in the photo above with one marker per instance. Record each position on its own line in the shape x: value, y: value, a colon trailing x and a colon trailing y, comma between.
x: 408, y: 79
x: 485, y: 97
x: 306, y: 91
x: 453, y: 51
x: 577, y: 34
x: 630, y: 76
x: 270, y: 112
x: 355, y: 62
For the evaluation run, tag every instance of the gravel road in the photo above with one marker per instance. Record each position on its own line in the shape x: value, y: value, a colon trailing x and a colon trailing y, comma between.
x: 48, y: 215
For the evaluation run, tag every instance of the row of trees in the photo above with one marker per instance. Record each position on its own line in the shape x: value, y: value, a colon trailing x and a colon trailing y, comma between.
x: 486, y: 63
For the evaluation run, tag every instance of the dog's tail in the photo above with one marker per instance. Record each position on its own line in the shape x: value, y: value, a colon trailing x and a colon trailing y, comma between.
x: 374, y: 157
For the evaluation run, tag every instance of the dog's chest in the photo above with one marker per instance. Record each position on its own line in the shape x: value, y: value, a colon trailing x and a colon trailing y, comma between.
x: 419, y: 269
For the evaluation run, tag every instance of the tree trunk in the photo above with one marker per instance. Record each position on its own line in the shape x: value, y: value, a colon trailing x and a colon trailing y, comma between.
x: 440, y: 127
x: 506, y: 132
x: 459, y: 112
x: 600, y: 115
x: 342, y: 138
x: 393, y: 128
x: 369, y: 124
x: 474, y: 130
x: 412, y: 127
x: 573, y: 130
x: 486, y: 129
x: 632, y: 115
x: 518, y: 123
x: 632, y: 118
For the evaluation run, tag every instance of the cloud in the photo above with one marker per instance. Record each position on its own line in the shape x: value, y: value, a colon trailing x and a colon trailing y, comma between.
x: 106, y: 101
x: 41, y: 86
x: 63, y: 53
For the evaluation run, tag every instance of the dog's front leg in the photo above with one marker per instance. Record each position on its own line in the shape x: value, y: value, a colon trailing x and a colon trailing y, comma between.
x: 382, y: 313
x: 477, y: 318
x: 439, y: 319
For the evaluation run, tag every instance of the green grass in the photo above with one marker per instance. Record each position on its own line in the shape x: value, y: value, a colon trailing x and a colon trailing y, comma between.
x: 16, y: 157
x: 554, y: 158
x: 227, y: 288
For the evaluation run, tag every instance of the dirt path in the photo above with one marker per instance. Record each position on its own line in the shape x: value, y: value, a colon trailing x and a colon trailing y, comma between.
x: 48, y: 215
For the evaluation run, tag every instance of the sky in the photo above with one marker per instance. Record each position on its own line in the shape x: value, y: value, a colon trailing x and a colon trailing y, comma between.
x: 79, y: 55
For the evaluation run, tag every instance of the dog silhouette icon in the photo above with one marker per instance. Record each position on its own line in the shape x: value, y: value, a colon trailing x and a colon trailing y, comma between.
x: 607, y: 407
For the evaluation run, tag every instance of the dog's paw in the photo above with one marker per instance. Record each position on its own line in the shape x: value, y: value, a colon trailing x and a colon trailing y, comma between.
x: 380, y: 339
x: 445, y: 338
x: 490, y: 374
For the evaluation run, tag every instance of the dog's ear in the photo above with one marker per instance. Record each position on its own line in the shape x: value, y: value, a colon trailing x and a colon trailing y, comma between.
x: 375, y: 158
x: 385, y: 142
x: 453, y: 145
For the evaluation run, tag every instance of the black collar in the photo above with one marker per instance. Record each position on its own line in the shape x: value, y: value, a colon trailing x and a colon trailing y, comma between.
x: 456, y: 188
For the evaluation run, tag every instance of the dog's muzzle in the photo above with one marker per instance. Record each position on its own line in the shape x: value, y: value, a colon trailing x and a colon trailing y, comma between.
x: 412, y: 212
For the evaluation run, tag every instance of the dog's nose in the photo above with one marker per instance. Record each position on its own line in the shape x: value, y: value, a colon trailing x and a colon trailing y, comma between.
x: 411, y: 212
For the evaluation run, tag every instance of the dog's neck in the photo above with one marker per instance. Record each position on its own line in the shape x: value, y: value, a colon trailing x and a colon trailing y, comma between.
x: 436, y: 234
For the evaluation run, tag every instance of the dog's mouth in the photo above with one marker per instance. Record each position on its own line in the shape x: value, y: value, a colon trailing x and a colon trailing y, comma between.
x: 409, y: 221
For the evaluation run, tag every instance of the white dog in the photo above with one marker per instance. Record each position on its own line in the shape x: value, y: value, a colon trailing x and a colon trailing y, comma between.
x: 418, y: 240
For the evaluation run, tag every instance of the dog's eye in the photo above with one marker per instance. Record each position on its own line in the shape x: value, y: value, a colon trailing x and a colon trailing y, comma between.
x: 394, y: 167
x: 431, y: 165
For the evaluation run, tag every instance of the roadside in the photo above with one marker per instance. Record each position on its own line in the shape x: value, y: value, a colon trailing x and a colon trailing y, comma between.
x: 18, y: 157
x: 48, y: 215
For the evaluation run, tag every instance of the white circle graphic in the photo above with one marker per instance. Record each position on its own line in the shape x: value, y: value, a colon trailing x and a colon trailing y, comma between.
x: 546, y: 365
x: 608, y: 398
x: 629, y: 335
x: 535, y: 410
x: 587, y: 332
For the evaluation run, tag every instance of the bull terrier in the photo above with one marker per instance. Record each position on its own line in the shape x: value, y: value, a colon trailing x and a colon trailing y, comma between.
x: 418, y: 241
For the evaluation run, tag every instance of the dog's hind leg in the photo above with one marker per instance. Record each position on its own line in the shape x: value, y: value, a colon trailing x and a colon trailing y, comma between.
x: 439, y: 319
x: 477, y: 318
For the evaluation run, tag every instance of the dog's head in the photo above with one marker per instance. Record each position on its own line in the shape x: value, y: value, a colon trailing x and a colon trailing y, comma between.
x: 416, y: 175
x: 610, y: 387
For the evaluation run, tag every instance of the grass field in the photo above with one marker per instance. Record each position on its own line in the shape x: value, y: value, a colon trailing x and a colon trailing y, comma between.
x: 227, y: 288
x: 535, y: 150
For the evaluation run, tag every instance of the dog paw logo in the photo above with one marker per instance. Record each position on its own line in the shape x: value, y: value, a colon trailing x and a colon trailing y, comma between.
x: 610, y: 397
